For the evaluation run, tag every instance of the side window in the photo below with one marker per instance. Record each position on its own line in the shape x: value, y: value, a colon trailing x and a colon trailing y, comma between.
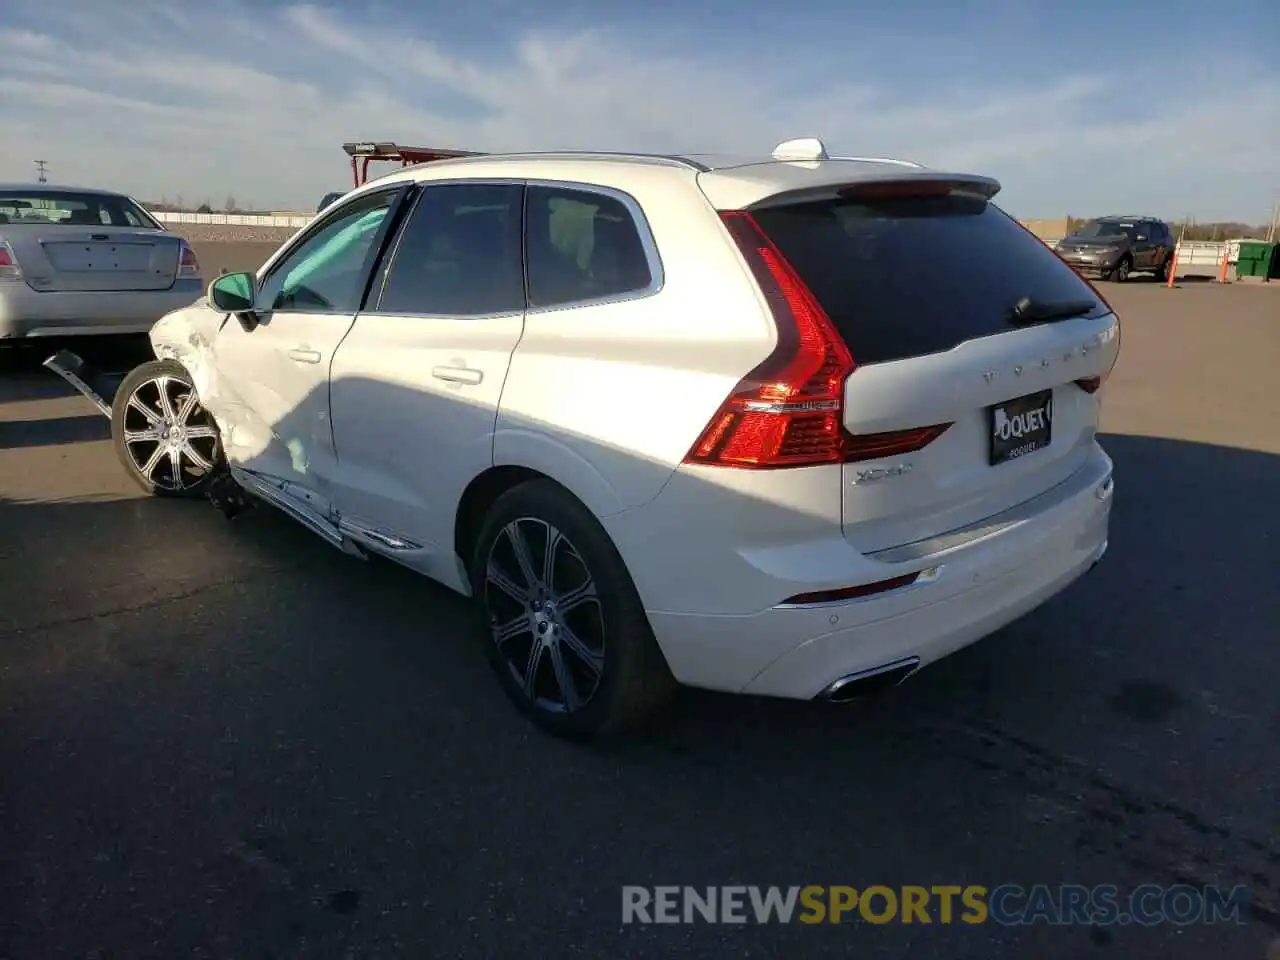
x: 581, y: 245
x: 325, y: 272
x: 458, y: 254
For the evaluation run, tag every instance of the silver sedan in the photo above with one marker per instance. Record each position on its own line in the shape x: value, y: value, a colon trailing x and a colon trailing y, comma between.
x: 76, y: 261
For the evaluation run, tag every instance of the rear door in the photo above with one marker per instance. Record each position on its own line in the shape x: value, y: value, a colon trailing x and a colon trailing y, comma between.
x: 921, y: 288
x: 416, y: 384
x: 87, y: 242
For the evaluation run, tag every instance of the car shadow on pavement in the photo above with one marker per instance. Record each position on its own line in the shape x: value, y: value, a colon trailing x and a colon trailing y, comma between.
x: 53, y: 431
x: 290, y: 730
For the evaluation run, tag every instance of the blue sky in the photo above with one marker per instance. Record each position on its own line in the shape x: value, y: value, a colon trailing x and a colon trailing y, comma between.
x: 1169, y: 107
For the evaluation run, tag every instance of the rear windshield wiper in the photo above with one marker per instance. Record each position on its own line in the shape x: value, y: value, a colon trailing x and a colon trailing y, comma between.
x: 1027, y: 310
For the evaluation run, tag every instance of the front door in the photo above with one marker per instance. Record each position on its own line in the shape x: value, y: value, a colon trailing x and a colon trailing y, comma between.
x: 416, y: 384
x: 279, y: 369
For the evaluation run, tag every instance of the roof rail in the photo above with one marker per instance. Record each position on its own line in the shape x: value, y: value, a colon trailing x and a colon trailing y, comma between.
x: 663, y: 158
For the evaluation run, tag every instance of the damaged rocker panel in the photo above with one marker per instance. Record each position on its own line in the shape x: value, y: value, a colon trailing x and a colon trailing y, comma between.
x: 348, y: 535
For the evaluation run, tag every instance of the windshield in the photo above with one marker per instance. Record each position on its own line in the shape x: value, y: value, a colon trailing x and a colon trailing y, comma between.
x: 70, y: 209
x: 1098, y: 229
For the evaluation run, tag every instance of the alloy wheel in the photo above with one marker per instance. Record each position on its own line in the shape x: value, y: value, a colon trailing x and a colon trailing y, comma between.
x: 545, y: 615
x: 170, y: 438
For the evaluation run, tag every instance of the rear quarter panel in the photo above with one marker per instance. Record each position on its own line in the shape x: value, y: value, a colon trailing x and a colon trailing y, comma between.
x: 607, y: 399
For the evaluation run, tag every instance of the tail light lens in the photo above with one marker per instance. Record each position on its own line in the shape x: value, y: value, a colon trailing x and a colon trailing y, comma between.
x: 9, y: 268
x: 188, y: 264
x: 788, y: 411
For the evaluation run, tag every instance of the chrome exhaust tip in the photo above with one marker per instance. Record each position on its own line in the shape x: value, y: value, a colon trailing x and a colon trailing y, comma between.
x: 869, y: 682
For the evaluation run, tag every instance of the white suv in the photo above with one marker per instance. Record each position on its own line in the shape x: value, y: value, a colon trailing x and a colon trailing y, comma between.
x: 793, y: 425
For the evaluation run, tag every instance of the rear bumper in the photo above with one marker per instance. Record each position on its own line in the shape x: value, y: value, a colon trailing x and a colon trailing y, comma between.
x: 972, y: 591
x: 29, y: 313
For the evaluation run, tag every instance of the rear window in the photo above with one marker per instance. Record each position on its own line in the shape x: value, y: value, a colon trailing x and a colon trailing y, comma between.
x: 581, y: 245
x: 60, y: 208
x: 908, y: 276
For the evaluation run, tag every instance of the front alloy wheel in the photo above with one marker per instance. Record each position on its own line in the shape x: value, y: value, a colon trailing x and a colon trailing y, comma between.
x: 165, y: 438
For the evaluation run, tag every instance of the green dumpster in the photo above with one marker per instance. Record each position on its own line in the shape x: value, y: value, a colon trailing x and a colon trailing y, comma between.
x: 1255, y: 258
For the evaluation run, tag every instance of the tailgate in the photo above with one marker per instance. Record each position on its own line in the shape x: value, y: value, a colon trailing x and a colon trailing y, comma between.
x: 1019, y: 424
x: 921, y: 279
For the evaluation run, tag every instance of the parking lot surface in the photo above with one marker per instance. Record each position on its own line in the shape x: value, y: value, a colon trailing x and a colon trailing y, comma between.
x: 225, y: 739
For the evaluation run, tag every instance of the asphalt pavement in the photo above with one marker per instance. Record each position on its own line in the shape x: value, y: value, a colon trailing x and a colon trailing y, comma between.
x: 225, y: 739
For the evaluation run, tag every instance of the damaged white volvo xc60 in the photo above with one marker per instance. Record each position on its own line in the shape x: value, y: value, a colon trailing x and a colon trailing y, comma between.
x: 790, y: 425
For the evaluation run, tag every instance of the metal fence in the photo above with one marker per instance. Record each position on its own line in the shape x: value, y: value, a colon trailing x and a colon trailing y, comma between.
x: 283, y: 220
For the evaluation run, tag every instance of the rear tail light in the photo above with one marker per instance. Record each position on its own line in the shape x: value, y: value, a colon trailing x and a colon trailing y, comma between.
x: 188, y: 264
x: 1090, y: 384
x: 788, y: 411
x: 873, y: 446
x: 9, y: 268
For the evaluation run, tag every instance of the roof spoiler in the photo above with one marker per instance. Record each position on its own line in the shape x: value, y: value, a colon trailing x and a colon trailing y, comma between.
x: 904, y: 183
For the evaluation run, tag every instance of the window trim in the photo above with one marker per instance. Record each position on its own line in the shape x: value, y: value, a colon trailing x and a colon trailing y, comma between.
x: 307, y: 233
x: 657, y: 275
x: 387, y: 261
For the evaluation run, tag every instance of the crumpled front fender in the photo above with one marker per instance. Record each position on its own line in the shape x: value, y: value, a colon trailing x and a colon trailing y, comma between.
x: 190, y: 336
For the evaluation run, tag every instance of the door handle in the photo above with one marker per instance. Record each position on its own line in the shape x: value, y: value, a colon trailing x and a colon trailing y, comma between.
x: 304, y: 355
x: 458, y: 374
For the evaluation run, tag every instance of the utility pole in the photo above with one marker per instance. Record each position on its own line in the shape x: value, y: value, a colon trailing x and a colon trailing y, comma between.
x: 40, y: 168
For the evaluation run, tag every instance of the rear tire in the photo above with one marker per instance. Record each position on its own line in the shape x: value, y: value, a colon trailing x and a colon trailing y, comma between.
x: 568, y: 613
x: 1162, y: 274
x: 165, y: 439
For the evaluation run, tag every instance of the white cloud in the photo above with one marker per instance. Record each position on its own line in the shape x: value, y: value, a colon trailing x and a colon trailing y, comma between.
x: 211, y: 101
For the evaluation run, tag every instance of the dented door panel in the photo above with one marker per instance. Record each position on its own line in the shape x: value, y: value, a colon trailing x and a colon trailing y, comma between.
x: 272, y: 409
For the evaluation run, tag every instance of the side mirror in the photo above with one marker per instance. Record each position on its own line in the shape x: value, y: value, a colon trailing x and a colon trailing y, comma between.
x: 233, y: 293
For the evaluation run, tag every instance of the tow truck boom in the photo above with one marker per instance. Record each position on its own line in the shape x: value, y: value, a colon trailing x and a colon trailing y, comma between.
x: 364, y: 152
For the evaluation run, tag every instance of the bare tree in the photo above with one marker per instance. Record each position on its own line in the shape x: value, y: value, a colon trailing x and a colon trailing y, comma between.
x: 179, y: 204
x: 231, y: 205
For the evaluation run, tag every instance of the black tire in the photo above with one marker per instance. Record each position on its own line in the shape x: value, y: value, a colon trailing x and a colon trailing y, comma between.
x: 1120, y: 273
x: 1162, y: 274
x: 634, y: 681
x: 144, y: 382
